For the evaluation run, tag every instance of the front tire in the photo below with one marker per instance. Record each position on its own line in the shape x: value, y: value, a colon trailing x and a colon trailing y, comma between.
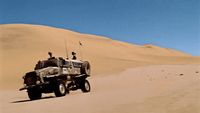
x: 60, y: 89
x: 85, y: 86
x: 34, y: 93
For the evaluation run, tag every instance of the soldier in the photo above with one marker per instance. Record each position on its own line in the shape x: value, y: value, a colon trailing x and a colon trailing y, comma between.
x: 50, y: 56
x: 74, y: 56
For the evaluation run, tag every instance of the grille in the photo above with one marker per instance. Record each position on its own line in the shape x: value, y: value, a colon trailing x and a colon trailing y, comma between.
x: 30, y: 78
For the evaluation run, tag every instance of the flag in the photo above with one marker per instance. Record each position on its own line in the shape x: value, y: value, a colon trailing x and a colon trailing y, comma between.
x: 80, y: 43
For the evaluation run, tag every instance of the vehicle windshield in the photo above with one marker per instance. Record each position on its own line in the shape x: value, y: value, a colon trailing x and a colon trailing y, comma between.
x: 46, y: 63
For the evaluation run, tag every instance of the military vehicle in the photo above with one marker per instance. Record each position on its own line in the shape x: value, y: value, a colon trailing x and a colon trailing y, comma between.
x: 58, y: 76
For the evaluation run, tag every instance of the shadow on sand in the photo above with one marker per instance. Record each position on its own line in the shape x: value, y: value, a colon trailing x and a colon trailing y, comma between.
x: 21, y: 101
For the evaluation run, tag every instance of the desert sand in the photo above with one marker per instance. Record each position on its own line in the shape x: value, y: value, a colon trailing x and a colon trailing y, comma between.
x: 126, y: 78
x: 150, y: 89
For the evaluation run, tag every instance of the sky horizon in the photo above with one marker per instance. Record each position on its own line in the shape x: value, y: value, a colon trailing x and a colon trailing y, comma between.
x: 167, y: 23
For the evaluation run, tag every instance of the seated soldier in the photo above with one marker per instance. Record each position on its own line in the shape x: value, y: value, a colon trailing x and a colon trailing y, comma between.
x: 74, y: 56
x: 50, y: 56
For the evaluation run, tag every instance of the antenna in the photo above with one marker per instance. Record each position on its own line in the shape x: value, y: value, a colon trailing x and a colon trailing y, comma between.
x: 66, y: 50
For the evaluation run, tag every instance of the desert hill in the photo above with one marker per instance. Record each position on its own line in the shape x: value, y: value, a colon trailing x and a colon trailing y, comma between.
x: 22, y: 45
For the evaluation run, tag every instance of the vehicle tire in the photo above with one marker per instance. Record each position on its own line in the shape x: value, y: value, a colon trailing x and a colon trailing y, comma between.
x: 85, y: 86
x: 60, y: 89
x: 85, y: 68
x: 34, y: 93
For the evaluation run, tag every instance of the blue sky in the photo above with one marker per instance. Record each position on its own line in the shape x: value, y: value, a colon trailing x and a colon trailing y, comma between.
x: 166, y: 23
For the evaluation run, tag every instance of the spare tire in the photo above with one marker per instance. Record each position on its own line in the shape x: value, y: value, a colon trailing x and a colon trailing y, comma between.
x: 85, y: 68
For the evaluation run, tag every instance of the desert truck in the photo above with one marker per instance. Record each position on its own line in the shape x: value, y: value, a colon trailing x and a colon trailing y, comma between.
x: 58, y: 76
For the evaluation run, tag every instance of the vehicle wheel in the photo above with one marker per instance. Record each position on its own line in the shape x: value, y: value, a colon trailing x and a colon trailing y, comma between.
x: 85, y: 86
x: 60, y: 89
x: 85, y: 68
x: 34, y: 93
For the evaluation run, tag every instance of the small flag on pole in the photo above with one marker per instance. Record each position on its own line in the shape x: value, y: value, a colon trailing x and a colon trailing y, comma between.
x: 80, y: 43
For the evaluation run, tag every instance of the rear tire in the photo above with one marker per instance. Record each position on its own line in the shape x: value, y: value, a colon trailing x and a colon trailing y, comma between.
x: 60, y: 89
x: 34, y: 93
x: 85, y: 68
x: 85, y: 86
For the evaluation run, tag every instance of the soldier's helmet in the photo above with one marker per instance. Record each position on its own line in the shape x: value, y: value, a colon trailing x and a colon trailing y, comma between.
x: 73, y: 53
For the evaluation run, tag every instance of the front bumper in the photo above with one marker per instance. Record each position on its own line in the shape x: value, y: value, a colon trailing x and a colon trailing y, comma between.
x: 41, y: 85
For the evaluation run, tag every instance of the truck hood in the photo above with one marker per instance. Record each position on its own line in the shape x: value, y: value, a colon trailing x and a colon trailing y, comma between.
x: 48, y: 71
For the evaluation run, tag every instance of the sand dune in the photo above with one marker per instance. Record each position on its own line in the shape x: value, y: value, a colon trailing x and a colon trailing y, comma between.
x: 21, y: 46
x: 126, y: 78
x: 150, y: 89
